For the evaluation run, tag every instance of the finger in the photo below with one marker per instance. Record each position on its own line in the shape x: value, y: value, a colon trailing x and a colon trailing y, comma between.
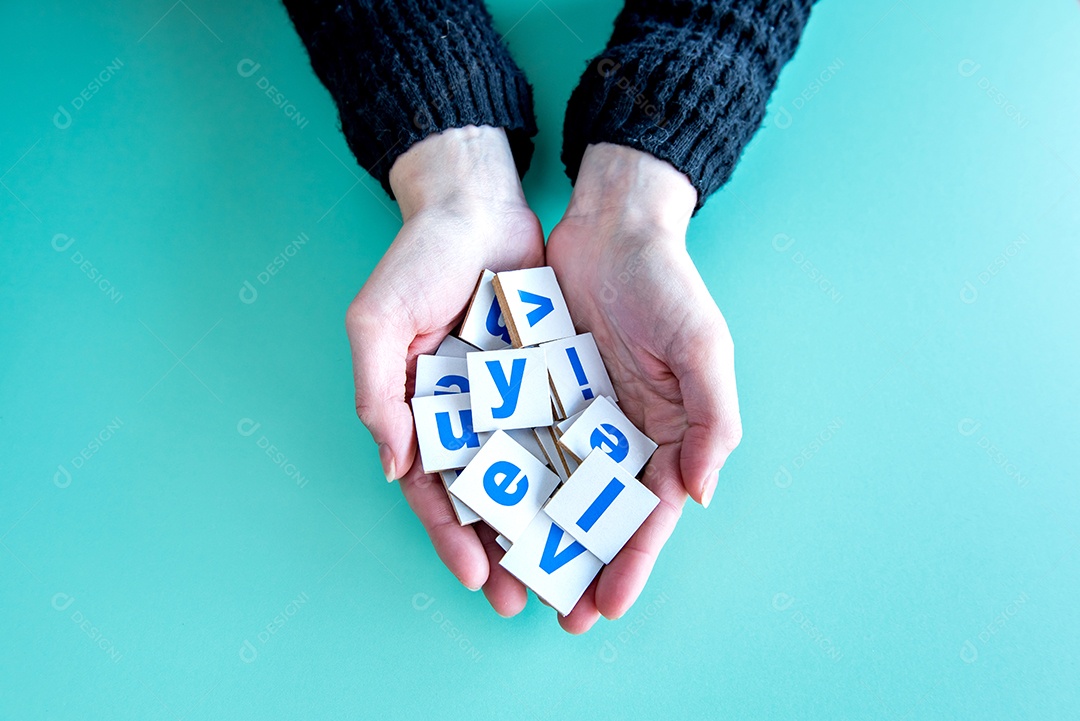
x: 380, y: 348
x: 506, y: 594
x: 584, y: 615
x: 458, y: 546
x: 622, y: 580
x: 705, y: 368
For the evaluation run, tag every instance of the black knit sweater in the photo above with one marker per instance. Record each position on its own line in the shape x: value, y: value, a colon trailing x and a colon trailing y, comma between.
x: 684, y: 80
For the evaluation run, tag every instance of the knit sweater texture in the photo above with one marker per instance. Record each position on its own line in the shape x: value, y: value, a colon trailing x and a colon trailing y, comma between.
x: 400, y: 70
x: 684, y: 80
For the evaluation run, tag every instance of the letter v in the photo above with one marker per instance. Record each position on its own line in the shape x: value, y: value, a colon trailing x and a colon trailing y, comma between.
x: 552, y: 560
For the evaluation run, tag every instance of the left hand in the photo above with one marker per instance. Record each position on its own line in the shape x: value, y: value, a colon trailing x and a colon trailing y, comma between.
x: 463, y: 211
x: 620, y: 256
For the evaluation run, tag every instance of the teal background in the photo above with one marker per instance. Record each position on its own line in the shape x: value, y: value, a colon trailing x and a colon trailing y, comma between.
x: 896, y: 255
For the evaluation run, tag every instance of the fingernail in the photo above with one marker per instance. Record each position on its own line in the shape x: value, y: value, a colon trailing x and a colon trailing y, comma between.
x: 474, y: 590
x: 386, y: 457
x: 710, y: 489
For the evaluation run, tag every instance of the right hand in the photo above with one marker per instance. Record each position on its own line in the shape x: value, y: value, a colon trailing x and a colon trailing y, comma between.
x: 463, y: 211
x: 620, y: 255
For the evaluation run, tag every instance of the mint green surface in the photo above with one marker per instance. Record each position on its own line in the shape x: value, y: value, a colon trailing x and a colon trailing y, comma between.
x: 897, y: 536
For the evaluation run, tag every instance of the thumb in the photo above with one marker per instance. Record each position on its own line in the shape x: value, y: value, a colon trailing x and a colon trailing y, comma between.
x: 707, y: 382
x: 380, y: 347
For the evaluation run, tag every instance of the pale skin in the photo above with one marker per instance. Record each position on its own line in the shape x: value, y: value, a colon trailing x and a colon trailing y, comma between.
x: 620, y: 256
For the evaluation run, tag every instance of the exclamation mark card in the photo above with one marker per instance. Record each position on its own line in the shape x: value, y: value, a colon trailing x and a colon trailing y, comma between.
x: 577, y: 372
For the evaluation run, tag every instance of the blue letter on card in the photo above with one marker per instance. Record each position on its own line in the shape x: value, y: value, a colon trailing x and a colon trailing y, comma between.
x: 495, y: 324
x: 593, y: 512
x: 449, y: 439
x: 543, y: 306
x: 508, y: 390
x: 446, y: 383
x: 611, y: 441
x: 552, y: 560
x: 500, y: 476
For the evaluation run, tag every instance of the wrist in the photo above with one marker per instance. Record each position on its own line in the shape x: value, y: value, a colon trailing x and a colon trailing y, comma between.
x: 628, y: 188
x: 460, y: 168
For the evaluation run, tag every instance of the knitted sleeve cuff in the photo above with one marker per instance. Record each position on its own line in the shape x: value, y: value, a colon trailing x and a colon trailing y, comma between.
x: 400, y: 71
x: 686, y: 81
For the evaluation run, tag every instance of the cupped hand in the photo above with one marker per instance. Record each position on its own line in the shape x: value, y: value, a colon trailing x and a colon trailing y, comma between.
x: 463, y: 211
x: 620, y: 256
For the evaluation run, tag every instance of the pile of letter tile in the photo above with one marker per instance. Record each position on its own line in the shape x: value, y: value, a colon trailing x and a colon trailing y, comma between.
x: 521, y: 420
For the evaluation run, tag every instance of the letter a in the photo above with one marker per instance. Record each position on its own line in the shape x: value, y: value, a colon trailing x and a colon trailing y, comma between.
x: 495, y: 324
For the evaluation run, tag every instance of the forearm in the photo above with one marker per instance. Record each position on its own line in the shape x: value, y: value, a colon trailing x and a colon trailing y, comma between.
x: 401, y: 71
x: 684, y: 81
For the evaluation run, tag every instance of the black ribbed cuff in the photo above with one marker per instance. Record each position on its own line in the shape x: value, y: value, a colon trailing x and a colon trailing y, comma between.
x: 687, y: 82
x: 400, y: 71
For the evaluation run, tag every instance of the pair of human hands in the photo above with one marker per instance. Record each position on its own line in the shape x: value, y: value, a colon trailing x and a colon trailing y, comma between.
x: 620, y: 256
